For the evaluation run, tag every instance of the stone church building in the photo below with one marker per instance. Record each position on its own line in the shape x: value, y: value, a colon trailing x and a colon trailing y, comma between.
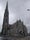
x: 16, y: 29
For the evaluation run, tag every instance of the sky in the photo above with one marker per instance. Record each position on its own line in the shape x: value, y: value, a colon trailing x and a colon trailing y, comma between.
x: 17, y: 10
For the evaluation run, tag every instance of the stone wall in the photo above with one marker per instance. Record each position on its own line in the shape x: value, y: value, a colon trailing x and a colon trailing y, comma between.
x: 17, y: 29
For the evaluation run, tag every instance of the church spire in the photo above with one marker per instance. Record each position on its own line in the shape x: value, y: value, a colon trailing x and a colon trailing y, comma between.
x: 6, y: 15
x: 7, y: 6
x: 5, y: 20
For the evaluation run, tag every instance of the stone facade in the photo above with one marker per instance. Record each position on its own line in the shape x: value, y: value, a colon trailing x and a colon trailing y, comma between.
x: 18, y: 29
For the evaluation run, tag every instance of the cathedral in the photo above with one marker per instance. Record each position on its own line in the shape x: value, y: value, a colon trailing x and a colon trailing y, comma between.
x: 16, y: 29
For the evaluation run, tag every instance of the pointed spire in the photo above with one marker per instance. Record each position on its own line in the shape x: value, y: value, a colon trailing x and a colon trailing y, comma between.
x: 6, y: 10
x: 7, y: 6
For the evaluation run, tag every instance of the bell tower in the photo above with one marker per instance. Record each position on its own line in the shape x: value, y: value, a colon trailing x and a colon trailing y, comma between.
x: 5, y: 21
